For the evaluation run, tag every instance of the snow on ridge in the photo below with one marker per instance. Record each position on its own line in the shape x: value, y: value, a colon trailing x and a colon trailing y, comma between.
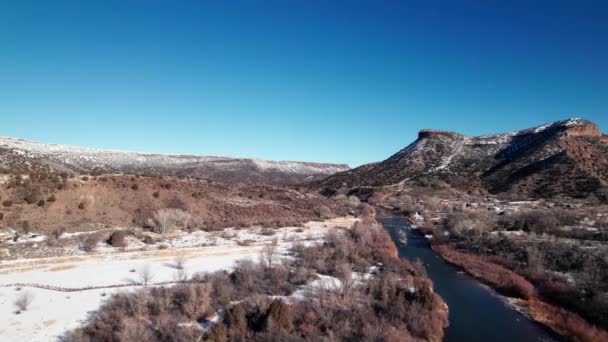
x: 85, y: 156
x: 503, y: 138
x: 299, y: 167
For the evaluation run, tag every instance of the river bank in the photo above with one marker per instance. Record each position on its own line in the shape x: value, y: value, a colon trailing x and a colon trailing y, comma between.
x: 511, y: 284
x: 476, y: 312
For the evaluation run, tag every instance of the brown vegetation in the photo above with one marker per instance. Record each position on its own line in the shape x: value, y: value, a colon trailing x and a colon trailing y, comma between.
x: 385, y: 308
x: 500, y: 278
x: 565, y: 322
x: 106, y: 201
x: 118, y: 239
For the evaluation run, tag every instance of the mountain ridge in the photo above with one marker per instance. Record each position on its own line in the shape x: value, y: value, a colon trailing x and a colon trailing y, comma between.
x: 566, y: 157
x: 23, y: 155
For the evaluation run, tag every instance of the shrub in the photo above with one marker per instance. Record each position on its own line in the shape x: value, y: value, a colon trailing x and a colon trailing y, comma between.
x: 168, y: 220
x: 25, y: 226
x: 51, y: 199
x: 91, y: 241
x: 81, y: 206
x: 148, y: 240
x: 279, y: 316
x: 1, y: 216
x: 32, y: 196
x: 323, y: 212
x: 366, y: 210
x: 118, y: 239
x: 23, y: 301
x: 7, y: 203
x: 41, y: 203
x: 134, y: 186
x: 57, y: 232
x: 475, y: 221
x: 155, y: 194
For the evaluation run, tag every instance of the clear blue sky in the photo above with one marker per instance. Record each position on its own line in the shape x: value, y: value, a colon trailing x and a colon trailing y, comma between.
x: 333, y: 81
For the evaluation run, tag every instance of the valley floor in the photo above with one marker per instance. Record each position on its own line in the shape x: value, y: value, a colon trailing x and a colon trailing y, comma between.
x: 66, y: 290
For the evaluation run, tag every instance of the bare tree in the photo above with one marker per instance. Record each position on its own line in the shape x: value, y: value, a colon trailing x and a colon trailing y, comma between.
x: 180, y: 275
x: 168, y: 220
x: 23, y: 301
x: 268, y: 253
x: 345, y: 274
x: 180, y: 261
x: 145, y: 275
x: 536, y: 259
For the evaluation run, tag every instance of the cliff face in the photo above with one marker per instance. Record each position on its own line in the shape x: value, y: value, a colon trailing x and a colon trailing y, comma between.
x: 561, y: 158
x: 587, y: 129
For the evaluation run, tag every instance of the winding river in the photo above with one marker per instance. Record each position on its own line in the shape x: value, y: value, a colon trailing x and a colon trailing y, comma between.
x: 477, y: 313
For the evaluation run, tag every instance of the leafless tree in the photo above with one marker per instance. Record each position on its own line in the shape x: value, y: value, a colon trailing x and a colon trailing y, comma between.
x: 168, y: 220
x: 345, y: 274
x: 180, y: 261
x: 23, y: 301
x: 180, y: 275
x: 268, y: 253
x: 535, y: 259
x: 145, y: 275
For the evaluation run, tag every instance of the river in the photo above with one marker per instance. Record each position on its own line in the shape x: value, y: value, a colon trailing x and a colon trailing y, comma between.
x: 477, y: 313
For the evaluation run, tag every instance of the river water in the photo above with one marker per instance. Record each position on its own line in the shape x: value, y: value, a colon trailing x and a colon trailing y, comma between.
x: 477, y: 313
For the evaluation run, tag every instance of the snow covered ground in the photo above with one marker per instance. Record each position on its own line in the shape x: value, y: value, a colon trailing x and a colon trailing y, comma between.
x: 53, y: 312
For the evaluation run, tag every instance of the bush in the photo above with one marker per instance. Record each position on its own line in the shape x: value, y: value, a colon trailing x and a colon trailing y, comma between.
x: 41, y: 203
x: 168, y: 220
x: 81, y: 206
x: 148, y: 240
x: 32, y: 196
x: 23, y: 301
x: 134, y: 186
x: 366, y: 210
x: 57, y: 232
x: 51, y: 199
x: 118, y: 239
x: 7, y: 203
x: 323, y: 212
x: 92, y: 240
x: 25, y: 226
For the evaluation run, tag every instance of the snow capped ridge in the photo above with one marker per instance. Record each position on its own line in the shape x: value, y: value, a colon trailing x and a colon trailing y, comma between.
x: 504, y: 138
x: 86, y: 159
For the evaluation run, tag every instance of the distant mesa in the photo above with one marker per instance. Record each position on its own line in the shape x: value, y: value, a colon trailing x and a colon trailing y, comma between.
x: 561, y: 158
x: 23, y: 156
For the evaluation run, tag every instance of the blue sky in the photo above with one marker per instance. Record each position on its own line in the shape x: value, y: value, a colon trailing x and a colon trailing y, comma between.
x: 331, y: 81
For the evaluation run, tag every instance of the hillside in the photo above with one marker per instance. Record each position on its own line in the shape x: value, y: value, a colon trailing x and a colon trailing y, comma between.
x: 568, y: 157
x: 44, y: 204
x: 23, y: 156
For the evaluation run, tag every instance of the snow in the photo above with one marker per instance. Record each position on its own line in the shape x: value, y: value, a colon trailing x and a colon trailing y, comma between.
x: 84, y: 157
x: 50, y: 314
x: 53, y: 312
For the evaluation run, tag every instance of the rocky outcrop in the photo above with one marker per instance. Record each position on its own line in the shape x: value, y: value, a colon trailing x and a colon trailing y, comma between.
x: 585, y: 129
x: 431, y: 134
